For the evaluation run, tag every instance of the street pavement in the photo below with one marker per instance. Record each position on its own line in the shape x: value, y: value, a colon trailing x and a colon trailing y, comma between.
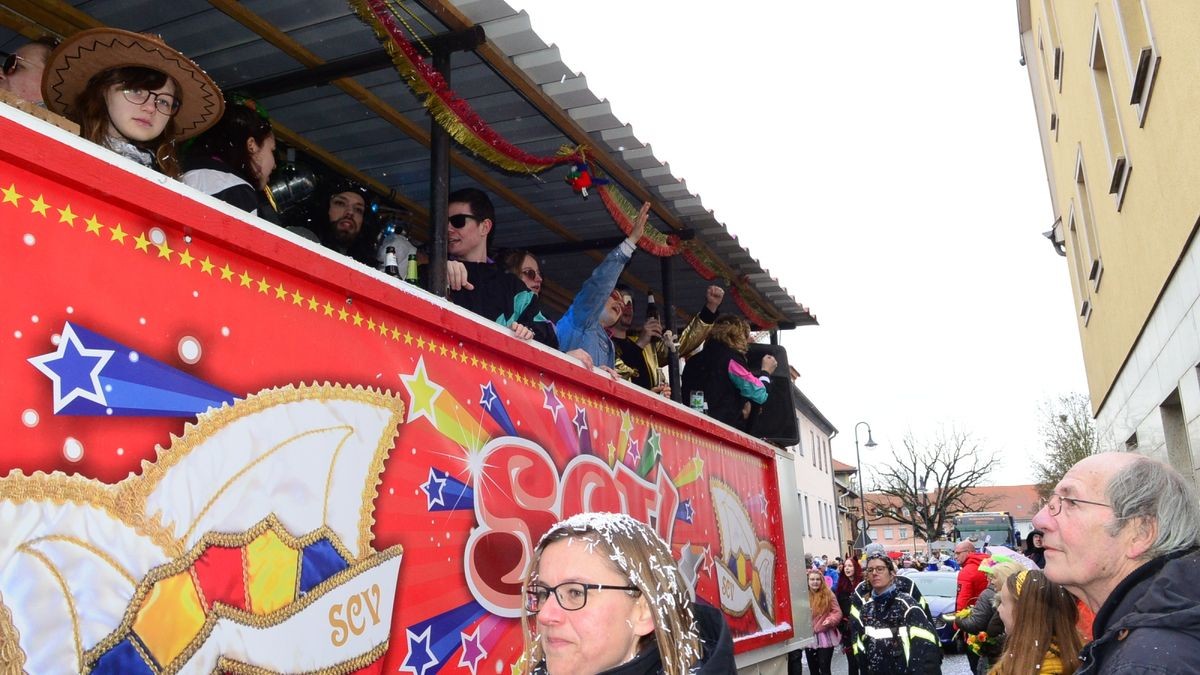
x: 952, y: 664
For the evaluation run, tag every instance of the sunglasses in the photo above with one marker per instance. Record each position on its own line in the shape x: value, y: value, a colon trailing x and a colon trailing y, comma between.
x: 459, y: 220
x: 532, y: 275
x: 10, y: 63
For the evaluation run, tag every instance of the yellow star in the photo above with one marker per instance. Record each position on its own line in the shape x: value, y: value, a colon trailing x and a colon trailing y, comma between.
x: 371, y: 325
x: 395, y: 334
x: 357, y: 319
x: 453, y: 354
x: 313, y: 304
x: 244, y: 279
x: 474, y: 361
x: 462, y: 356
x: 422, y: 394
x: 93, y: 225
x: 39, y: 206
x: 382, y: 328
x: 296, y: 297
x: 164, y: 251
x: 186, y: 258
x: 263, y: 286
x: 118, y: 235
x: 65, y: 216
x: 408, y: 340
x: 226, y: 273
x: 431, y: 346
x: 328, y: 309
x: 206, y: 266
x: 141, y: 243
x: 442, y: 349
x: 342, y: 314
x: 11, y: 196
x: 280, y: 292
x: 420, y: 343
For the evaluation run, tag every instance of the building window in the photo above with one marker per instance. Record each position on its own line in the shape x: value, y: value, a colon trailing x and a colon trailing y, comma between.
x: 873, y: 533
x: 1051, y: 59
x: 1141, y: 54
x: 812, y: 442
x: 807, y: 517
x: 1054, y: 48
x: 1110, y: 119
x: 904, y: 533
x: 887, y: 533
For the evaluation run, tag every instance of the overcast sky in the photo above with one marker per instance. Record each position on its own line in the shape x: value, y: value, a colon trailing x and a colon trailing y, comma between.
x: 881, y: 159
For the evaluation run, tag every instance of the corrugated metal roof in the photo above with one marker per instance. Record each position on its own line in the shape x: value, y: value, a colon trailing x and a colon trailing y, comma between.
x: 374, y: 123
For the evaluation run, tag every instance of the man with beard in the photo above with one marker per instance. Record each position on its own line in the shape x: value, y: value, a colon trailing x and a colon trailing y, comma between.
x: 345, y: 232
x: 640, y: 354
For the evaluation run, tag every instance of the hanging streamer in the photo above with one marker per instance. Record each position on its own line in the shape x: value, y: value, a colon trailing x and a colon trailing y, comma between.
x: 450, y: 111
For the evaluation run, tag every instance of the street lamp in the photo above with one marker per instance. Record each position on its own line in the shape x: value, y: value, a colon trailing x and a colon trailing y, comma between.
x: 862, y: 499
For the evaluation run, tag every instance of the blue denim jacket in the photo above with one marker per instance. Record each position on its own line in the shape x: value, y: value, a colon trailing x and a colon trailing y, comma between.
x: 580, y: 327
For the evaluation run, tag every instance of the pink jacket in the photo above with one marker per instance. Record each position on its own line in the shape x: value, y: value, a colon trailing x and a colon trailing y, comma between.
x: 825, y: 627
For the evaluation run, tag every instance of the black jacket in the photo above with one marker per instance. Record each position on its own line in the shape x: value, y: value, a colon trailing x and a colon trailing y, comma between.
x: 501, y: 297
x: 715, y: 639
x: 708, y: 371
x: 1151, y: 621
x: 894, y: 636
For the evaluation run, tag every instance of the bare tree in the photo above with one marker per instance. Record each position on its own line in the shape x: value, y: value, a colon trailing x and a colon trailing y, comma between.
x: 930, y: 481
x: 1069, y: 435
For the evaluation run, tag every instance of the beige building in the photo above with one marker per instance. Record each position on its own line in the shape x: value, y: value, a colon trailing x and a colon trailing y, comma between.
x: 814, y: 480
x: 1115, y: 94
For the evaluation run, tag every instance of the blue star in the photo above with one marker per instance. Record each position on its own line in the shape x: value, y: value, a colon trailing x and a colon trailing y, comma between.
x: 74, y: 369
x: 685, y: 511
x: 435, y: 481
x: 419, y: 662
x: 581, y: 424
x: 487, y: 395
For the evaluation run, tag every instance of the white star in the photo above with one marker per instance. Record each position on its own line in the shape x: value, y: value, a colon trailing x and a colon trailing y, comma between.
x: 42, y: 363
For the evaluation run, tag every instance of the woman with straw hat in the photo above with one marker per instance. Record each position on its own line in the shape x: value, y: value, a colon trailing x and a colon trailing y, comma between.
x: 131, y: 93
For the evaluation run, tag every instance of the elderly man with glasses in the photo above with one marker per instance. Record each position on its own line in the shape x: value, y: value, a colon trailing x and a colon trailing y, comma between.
x: 1122, y: 533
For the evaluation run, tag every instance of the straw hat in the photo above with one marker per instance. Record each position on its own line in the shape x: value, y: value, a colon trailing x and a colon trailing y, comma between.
x: 89, y: 52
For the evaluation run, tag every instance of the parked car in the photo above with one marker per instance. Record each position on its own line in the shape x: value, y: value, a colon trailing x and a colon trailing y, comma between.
x: 939, y: 590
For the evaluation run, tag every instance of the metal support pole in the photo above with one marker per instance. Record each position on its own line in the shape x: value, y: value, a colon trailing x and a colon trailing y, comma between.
x: 668, y: 317
x: 862, y: 492
x: 439, y: 190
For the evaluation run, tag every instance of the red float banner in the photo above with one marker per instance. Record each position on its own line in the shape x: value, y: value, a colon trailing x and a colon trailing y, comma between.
x: 227, y: 449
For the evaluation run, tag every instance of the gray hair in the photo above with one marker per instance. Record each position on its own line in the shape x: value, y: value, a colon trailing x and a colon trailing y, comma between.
x: 1149, y: 489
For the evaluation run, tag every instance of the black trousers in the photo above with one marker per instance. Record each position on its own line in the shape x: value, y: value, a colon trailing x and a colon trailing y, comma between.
x: 819, y: 660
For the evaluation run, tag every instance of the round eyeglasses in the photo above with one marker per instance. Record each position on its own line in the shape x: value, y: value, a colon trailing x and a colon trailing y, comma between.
x: 163, y: 103
x: 1055, y: 504
x: 571, y: 595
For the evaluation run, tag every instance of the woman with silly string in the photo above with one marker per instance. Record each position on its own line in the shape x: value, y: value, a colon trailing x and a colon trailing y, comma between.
x: 604, y: 596
x: 131, y: 93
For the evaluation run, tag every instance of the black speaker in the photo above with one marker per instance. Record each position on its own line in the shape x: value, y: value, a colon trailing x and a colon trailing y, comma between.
x: 776, y: 419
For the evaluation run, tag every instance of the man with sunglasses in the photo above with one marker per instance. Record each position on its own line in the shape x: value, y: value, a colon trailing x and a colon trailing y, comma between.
x: 1122, y: 533
x: 478, y: 283
x: 22, y: 73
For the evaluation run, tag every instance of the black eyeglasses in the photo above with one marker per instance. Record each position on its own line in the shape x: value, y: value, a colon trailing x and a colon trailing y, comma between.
x: 459, y: 220
x: 163, y: 103
x: 1054, y: 504
x: 10, y: 62
x: 571, y: 595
